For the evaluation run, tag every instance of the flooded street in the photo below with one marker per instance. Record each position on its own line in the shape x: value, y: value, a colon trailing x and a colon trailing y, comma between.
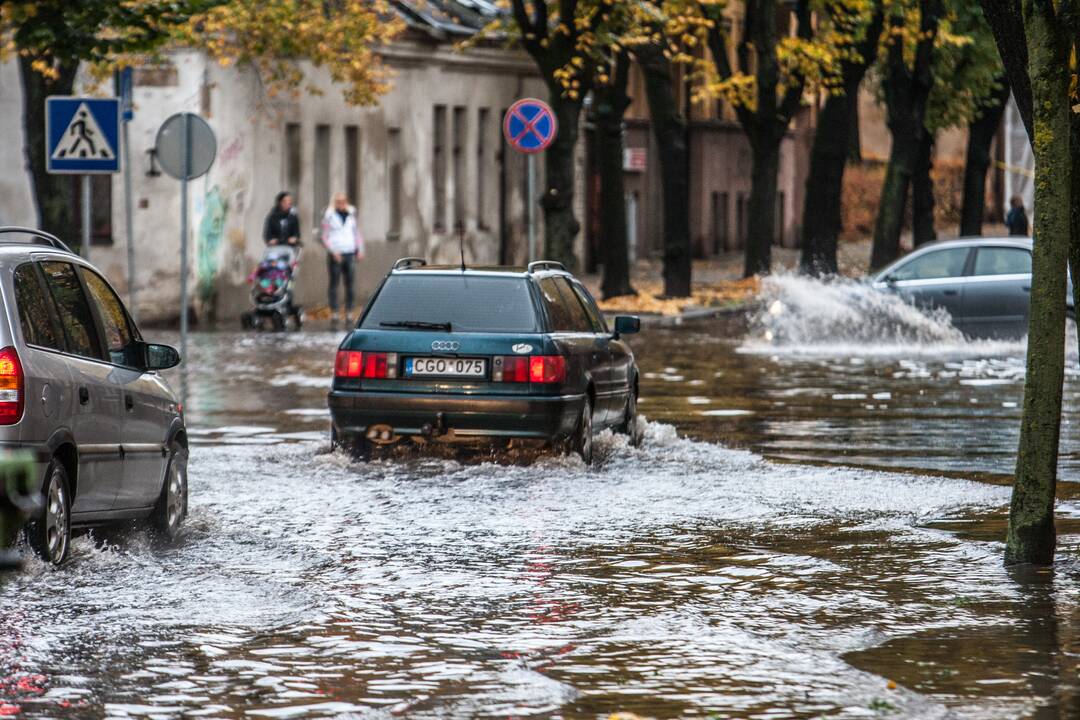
x: 812, y: 528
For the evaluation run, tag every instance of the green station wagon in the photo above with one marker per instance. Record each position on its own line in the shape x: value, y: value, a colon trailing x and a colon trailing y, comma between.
x: 483, y: 355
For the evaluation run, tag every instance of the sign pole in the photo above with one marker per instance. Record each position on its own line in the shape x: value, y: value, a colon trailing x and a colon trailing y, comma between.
x: 184, y: 239
x: 530, y: 213
x: 86, y: 215
x: 530, y: 126
x: 129, y: 222
x: 185, y: 148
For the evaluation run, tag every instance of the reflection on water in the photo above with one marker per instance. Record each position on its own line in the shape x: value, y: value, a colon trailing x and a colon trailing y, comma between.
x: 687, y: 578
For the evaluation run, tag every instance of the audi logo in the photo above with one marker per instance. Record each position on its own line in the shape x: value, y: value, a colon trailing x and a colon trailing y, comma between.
x: 445, y: 345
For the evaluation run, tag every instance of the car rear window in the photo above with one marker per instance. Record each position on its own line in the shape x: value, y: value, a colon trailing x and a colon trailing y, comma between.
x: 1002, y: 261
x: 468, y: 303
x: 34, y: 313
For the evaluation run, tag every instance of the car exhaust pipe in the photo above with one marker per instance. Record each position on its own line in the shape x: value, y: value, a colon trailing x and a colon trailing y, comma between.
x: 382, y: 435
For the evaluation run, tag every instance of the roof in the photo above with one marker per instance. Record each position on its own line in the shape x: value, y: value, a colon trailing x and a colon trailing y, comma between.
x: 447, y: 19
x: 483, y: 271
x: 1009, y: 240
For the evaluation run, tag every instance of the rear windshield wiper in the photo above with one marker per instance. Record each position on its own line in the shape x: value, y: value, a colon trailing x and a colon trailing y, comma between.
x: 417, y: 325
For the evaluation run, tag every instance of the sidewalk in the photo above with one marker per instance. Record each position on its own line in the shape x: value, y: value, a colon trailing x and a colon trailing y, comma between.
x: 717, y: 283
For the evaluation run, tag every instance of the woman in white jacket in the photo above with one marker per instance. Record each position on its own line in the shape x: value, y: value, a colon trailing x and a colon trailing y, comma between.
x: 344, y: 246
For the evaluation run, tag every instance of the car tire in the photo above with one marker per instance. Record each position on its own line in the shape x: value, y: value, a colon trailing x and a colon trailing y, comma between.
x: 582, y: 440
x: 630, y: 426
x: 357, y: 446
x: 171, y: 508
x: 49, y: 534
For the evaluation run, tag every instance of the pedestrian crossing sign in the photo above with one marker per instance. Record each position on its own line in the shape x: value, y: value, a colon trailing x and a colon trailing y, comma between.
x: 82, y: 135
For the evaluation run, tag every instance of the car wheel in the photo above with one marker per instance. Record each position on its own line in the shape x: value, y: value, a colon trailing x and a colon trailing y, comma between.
x: 582, y: 441
x: 171, y: 508
x: 630, y: 425
x: 357, y: 446
x: 49, y: 535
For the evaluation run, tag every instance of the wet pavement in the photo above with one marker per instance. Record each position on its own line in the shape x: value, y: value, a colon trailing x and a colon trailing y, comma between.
x: 812, y: 529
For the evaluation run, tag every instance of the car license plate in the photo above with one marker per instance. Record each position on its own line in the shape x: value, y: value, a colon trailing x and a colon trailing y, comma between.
x: 445, y: 367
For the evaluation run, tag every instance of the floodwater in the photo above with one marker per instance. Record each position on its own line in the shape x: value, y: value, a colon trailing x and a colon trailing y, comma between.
x: 800, y: 536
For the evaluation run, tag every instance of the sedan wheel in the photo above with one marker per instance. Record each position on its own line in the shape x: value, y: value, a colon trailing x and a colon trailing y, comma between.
x: 50, y: 534
x: 582, y: 442
x: 630, y: 425
x: 171, y: 508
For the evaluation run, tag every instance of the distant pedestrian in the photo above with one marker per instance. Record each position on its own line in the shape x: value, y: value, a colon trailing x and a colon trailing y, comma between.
x: 344, y: 246
x: 1017, y: 219
x: 282, y: 225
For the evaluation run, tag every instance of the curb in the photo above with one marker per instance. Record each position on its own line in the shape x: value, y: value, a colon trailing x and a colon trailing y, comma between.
x: 692, y: 314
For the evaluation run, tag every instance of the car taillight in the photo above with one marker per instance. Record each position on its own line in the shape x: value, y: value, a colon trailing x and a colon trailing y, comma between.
x: 547, y: 368
x: 370, y: 365
x: 11, y: 387
x: 534, y: 368
x: 511, y: 369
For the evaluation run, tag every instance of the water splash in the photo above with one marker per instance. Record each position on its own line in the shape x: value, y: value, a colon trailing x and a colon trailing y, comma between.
x: 839, y: 316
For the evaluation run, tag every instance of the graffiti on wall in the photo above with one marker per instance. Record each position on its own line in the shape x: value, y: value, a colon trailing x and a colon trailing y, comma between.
x: 211, y: 232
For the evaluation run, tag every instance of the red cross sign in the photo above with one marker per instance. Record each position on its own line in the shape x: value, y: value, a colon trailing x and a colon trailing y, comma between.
x: 530, y: 125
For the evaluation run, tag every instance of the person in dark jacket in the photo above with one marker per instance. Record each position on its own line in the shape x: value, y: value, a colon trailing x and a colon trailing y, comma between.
x: 282, y: 225
x: 1017, y: 219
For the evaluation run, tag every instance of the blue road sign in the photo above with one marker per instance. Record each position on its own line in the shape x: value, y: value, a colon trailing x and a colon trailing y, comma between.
x: 127, y: 89
x: 530, y: 125
x: 82, y: 135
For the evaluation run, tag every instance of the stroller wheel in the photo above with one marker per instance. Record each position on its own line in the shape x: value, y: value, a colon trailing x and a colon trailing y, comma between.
x: 247, y: 321
x: 298, y: 318
x: 278, y: 320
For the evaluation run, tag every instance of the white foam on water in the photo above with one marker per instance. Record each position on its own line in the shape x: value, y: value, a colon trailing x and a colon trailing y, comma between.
x: 840, y: 317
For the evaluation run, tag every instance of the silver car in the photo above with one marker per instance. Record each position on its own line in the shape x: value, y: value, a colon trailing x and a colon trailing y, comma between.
x: 983, y: 283
x: 80, y: 390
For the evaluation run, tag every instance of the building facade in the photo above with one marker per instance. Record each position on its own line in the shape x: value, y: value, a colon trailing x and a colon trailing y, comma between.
x: 427, y: 169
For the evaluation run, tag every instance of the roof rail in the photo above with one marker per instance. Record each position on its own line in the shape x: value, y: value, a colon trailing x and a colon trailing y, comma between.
x: 40, y: 236
x: 546, y: 265
x: 409, y: 262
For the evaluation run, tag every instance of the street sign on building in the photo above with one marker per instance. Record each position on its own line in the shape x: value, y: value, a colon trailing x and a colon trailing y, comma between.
x: 530, y: 126
x: 635, y: 159
x: 82, y: 135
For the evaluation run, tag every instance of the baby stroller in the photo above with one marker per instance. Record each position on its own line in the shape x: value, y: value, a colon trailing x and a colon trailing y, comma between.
x: 272, y: 290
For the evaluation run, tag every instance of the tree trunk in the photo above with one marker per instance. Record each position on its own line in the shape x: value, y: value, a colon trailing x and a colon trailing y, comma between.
x: 906, y: 92
x: 669, y: 128
x: 854, y: 149
x: 1031, y: 536
x: 611, y: 103
x: 561, y: 227
x: 761, y: 210
x: 922, y: 192
x: 822, y: 219
x: 981, y: 132
x: 893, y: 203
x: 836, y: 142
x: 53, y: 194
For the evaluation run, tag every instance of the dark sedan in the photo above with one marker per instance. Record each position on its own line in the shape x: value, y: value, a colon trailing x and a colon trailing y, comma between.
x: 983, y: 283
x: 445, y: 354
